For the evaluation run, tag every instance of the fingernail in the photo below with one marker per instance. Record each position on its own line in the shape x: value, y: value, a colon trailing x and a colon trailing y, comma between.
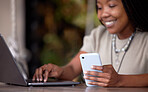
x: 37, y: 79
x: 92, y: 66
x: 45, y: 80
x: 85, y: 77
x: 40, y: 79
x: 85, y: 72
x: 89, y: 82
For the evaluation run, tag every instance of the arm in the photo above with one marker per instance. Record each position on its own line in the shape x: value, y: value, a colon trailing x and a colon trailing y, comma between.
x: 134, y: 80
x: 67, y: 72
x: 110, y: 78
x: 73, y: 69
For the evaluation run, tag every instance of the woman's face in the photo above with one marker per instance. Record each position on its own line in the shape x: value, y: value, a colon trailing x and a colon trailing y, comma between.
x: 112, y: 14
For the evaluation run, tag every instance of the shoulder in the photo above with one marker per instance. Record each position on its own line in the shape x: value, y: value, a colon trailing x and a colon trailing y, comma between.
x: 141, y: 39
x: 143, y: 36
x: 92, y: 41
x: 98, y: 32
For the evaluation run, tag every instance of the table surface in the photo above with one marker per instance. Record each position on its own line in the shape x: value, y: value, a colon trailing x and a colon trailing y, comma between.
x: 76, y: 88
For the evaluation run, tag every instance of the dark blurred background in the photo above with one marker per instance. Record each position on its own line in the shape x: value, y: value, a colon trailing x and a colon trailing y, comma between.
x: 45, y: 31
x: 55, y: 29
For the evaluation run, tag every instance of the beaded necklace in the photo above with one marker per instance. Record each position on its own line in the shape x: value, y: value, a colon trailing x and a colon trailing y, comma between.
x: 123, y: 49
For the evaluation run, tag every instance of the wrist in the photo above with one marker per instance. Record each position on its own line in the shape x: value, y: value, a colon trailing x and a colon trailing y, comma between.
x: 121, y: 81
x: 126, y: 81
x: 61, y: 72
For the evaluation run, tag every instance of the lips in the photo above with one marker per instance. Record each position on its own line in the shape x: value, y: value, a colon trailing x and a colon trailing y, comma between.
x: 109, y: 23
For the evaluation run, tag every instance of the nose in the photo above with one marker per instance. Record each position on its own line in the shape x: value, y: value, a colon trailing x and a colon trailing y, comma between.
x: 104, y: 13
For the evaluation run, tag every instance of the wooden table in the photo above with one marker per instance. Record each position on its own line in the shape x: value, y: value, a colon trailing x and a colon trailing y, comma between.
x: 77, y: 88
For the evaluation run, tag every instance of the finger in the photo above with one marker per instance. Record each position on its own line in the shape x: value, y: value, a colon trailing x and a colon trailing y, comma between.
x: 46, y: 75
x: 104, y: 68
x: 98, y: 84
x: 33, y: 79
x: 107, y: 68
x: 36, y: 75
x: 102, y: 80
x: 49, y: 67
x: 44, y: 67
x: 97, y: 67
x: 98, y: 74
x: 40, y: 74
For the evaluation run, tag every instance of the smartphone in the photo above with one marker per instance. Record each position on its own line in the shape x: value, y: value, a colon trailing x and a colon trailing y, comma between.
x: 88, y: 60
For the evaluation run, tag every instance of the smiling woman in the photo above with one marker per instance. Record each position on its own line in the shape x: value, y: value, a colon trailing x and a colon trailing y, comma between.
x: 112, y: 14
x: 121, y: 43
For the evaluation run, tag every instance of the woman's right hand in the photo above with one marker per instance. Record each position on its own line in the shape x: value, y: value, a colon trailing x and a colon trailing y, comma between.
x: 48, y: 70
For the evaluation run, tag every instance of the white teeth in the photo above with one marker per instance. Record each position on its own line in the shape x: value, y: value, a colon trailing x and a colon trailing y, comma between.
x: 109, y: 23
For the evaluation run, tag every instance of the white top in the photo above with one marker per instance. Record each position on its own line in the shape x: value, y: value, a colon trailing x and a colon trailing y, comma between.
x: 136, y: 58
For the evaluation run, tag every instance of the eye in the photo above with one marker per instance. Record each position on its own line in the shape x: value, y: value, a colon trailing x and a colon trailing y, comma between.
x: 99, y: 8
x: 112, y: 6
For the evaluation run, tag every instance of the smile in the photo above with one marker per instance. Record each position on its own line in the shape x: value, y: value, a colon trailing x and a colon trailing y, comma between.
x: 109, y: 23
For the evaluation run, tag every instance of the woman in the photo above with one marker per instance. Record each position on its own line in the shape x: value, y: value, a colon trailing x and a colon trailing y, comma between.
x: 121, y: 43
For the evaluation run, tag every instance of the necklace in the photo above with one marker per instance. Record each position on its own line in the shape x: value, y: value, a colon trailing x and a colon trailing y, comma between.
x: 123, y: 49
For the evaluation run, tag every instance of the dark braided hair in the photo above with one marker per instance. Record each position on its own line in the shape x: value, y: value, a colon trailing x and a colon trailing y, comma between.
x: 137, y: 12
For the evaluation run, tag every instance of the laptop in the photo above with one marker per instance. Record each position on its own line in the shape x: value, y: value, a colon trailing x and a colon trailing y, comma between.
x: 10, y: 73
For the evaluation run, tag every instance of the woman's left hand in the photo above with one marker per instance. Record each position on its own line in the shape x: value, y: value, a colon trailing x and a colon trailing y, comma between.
x: 107, y: 78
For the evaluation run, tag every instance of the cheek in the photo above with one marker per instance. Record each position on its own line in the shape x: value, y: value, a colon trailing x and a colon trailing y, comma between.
x: 122, y: 16
x: 99, y: 15
x: 120, y: 13
x: 115, y: 13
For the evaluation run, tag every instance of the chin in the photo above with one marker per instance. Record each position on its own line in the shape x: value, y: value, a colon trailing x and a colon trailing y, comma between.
x: 111, y: 31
